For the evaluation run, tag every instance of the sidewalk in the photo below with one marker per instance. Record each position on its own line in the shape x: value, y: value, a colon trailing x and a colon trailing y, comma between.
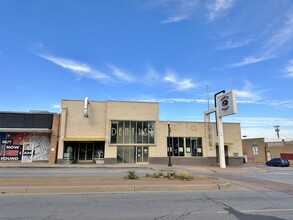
x: 65, y: 185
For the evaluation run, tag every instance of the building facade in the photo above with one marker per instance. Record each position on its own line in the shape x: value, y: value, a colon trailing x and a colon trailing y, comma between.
x: 113, y: 132
x: 28, y: 136
x: 268, y: 148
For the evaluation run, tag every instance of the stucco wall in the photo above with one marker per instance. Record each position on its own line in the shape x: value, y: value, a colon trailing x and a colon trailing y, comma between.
x: 98, y: 125
x: 73, y: 124
x: 232, y: 137
x: 277, y: 150
x: 247, y: 149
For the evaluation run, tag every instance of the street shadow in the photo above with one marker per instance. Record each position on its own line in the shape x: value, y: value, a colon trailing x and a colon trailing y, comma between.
x: 242, y: 216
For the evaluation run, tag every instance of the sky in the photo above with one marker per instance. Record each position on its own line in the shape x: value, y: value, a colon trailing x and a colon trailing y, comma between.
x: 178, y: 53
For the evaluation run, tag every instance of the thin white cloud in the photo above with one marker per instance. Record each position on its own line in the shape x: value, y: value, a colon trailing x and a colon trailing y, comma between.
x: 263, y: 126
x: 281, y: 36
x: 218, y: 8
x: 173, y: 100
x: 234, y: 44
x: 120, y: 74
x: 57, y: 106
x: 265, y: 132
x: 80, y: 69
x: 262, y: 121
x: 178, y: 84
x: 289, y: 69
x: 248, y: 94
x: 279, y: 40
x: 177, y: 10
x: 250, y: 60
x: 151, y: 76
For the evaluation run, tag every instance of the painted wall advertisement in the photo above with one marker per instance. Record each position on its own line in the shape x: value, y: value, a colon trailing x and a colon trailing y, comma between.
x: 10, y: 151
x: 24, y: 146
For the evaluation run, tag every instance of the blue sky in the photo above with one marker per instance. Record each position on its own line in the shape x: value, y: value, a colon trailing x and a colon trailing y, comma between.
x: 168, y: 51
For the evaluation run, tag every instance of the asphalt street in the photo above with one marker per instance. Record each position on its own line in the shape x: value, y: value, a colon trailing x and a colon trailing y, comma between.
x: 256, y: 193
x: 246, y: 204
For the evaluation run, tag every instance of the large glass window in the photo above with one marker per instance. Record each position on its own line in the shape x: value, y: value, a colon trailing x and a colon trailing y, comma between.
x: 126, y: 154
x: 194, y: 146
x: 189, y: 146
x: 134, y: 132
x: 135, y: 154
x: 114, y: 131
x: 177, y: 146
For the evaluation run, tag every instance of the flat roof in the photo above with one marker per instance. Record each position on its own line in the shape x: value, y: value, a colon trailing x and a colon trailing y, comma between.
x: 125, y: 101
x: 29, y: 112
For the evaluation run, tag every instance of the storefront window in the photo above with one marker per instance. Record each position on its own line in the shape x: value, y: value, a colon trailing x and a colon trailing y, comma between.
x: 140, y: 133
x: 189, y: 146
x: 126, y: 154
x: 194, y: 146
x: 114, y: 131
x: 135, y: 154
x: 99, y: 150
x: 69, y: 148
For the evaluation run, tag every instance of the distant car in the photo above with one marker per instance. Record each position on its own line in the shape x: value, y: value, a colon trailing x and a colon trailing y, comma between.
x: 278, y: 162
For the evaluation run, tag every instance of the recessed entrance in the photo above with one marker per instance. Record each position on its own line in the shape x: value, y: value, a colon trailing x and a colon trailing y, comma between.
x: 83, y: 152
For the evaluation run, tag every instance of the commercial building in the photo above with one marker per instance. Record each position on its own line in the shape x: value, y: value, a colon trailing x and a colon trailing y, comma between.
x: 28, y: 136
x: 113, y: 132
x: 267, y: 148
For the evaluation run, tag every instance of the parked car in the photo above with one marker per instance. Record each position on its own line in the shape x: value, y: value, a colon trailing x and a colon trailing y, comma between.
x: 278, y: 162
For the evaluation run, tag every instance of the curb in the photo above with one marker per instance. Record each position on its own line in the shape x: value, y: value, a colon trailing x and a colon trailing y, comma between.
x: 111, y: 189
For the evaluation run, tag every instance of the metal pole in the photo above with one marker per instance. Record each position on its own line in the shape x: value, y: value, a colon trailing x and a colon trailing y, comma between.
x: 221, y: 141
x: 169, y: 146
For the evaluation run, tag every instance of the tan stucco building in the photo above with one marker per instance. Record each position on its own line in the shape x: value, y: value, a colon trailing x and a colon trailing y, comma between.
x: 268, y: 148
x: 113, y: 132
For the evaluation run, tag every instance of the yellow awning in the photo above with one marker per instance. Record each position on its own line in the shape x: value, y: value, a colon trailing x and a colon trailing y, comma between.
x: 84, y: 139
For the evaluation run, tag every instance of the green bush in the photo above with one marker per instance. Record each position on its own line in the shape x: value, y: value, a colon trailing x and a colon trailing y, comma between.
x: 158, y: 175
x: 131, y: 175
x: 185, y: 176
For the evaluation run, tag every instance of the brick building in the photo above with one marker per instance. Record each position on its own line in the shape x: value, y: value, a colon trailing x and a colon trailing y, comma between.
x: 28, y: 136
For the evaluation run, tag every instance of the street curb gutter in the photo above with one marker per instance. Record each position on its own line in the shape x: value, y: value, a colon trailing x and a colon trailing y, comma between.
x: 111, y: 188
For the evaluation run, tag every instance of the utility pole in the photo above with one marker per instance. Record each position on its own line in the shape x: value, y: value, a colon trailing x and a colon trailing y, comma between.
x: 277, y: 130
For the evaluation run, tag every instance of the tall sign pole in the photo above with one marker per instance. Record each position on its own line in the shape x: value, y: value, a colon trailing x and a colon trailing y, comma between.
x: 225, y: 104
x: 221, y: 140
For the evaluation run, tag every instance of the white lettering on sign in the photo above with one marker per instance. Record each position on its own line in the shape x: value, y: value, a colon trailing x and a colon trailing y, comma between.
x: 9, y: 158
x: 6, y: 141
x: 13, y: 147
x: 114, y: 131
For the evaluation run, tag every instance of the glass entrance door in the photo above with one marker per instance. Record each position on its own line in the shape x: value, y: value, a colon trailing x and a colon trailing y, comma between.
x: 85, y: 152
x: 142, y: 155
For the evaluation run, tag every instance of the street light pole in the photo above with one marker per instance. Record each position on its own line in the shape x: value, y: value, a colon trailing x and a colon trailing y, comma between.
x: 169, y: 145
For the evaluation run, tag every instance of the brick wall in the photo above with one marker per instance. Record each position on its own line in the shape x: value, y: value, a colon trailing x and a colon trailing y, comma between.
x: 54, y: 139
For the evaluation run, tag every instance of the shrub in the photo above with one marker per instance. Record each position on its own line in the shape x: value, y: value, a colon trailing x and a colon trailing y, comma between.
x: 147, y: 175
x: 157, y: 175
x: 131, y: 175
x: 171, y: 175
x: 185, y: 176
